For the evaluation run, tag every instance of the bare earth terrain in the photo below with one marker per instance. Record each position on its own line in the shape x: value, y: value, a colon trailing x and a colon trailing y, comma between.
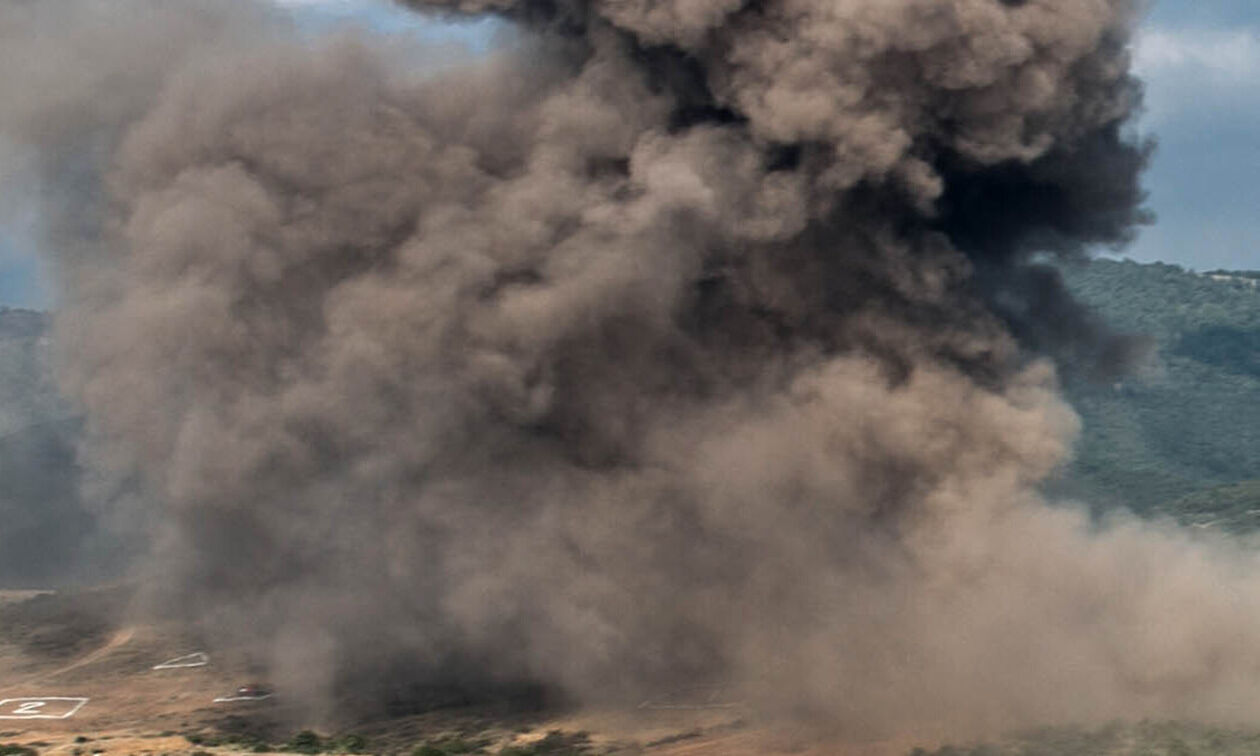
x: 77, y: 680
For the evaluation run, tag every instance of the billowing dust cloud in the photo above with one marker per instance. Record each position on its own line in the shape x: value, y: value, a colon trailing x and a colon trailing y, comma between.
x: 675, y: 341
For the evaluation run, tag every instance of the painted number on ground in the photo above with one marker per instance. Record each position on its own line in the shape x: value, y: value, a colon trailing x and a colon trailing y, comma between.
x: 47, y: 707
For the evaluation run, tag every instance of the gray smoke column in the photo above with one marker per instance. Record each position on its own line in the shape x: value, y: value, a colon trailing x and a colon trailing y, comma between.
x: 682, y: 340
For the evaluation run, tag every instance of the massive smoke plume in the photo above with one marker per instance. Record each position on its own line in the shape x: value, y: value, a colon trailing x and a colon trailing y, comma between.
x: 678, y: 340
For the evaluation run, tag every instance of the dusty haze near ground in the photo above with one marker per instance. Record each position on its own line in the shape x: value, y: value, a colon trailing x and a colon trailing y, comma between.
x: 677, y: 341
x: 79, y: 644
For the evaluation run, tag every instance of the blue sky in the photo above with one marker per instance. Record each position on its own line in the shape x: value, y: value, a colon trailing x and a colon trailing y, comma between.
x: 18, y: 283
x: 386, y: 16
x: 1201, y: 62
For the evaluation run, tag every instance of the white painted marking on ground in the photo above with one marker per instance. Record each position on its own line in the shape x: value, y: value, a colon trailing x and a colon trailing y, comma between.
x: 197, y: 659
x: 229, y: 699
x: 41, y: 707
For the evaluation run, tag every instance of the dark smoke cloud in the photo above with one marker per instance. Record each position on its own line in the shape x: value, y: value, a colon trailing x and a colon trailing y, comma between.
x: 680, y: 340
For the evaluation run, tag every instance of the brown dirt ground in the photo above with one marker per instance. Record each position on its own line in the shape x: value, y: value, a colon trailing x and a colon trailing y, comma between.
x: 49, y: 648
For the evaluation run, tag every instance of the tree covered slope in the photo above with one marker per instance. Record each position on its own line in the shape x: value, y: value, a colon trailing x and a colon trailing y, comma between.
x: 43, y: 525
x: 1181, y: 435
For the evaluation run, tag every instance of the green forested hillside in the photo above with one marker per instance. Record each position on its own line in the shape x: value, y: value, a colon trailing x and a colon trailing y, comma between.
x: 27, y: 395
x: 1182, y: 434
x: 43, y: 525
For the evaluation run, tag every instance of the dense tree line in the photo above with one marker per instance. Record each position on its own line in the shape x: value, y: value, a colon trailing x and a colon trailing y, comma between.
x: 1181, y: 433
x: 44, y: 527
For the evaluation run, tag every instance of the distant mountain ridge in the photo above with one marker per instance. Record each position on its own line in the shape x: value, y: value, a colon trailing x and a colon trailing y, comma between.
x: 43, y: 523
x: 1182, y: 435
x: 1233, y: 275
x: 27, y: 393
